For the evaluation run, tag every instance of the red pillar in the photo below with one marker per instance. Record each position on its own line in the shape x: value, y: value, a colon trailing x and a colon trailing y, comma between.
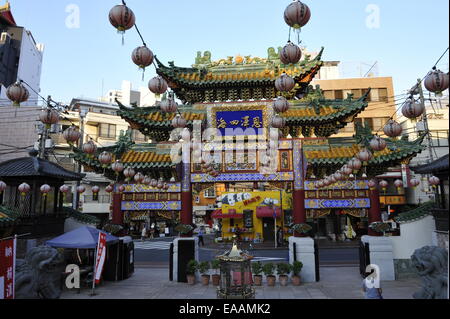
x: 186, y: 210
x: 117, y: 215
x: 375, y: 210
x: 299, y: 209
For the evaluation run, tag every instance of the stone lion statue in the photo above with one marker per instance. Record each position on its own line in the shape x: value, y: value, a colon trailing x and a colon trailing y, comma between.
x: 39, y: 275
x: 431, y: 263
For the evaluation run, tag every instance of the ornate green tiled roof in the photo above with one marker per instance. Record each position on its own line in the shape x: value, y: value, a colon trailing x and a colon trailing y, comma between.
x: 336, y: 153
x: 311, y: 114
x: 8, y: 217
x: 145, y: 158
x: 240, y: 78
x: 155, y: 124
x: 83, y: 218
x: 416, y: 214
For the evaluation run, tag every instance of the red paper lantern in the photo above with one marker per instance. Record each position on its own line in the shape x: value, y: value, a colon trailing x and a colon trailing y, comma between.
x: 377, y: 144
x: 364, y: 156
x: 372, y: 184
x: 72, y: 135
x: 17, y: 93
x: 157, y: 85
x: 355, y: 164
x: 49, y: 117
x: 122, y: 18
x: 436, y: 82
x: 109, y: 189
x: 290, y: 54
x: 284, y: 83
x: 179, y: 122
x: 105, y: 159
x: 89, y: 148
x: 2, y: 187
x: 147, y: 181
x: 434, y: 181
x: 129, y: 173
x: 24, y: 188
x: 45, y: 189
x: 169, y: 106
x: 95, y: 189
x: 81, y: 189
x: 392, y: 129
x: 121, y: 189
x: 414, y: 182
x: 138, y: 178
x: 117, y: 167
x: 412, y: 109
x: 297, y: 14
x: 278, y: 121
x: 142, y: 57
x: 281, y: 105
x: 398, y: 183
x: 384, y: 184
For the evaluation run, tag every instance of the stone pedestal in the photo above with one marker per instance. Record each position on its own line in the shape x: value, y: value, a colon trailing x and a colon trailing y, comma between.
x: 305, y: 254
x: 184, y: 249
x: 381, y: 254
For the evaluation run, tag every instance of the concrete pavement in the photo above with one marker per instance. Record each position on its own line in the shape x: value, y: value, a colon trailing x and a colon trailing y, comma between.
x: 153, y: 283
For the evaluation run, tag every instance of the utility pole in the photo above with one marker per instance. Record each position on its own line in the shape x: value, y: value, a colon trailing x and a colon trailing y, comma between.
x: 425, y: 120
x: 44, y: 135
x: 76, y: 195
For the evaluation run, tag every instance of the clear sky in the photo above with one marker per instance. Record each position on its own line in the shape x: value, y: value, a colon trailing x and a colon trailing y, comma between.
x: 406, y: 40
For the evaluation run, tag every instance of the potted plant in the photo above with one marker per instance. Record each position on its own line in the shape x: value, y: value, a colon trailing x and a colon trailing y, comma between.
x: 301, y: 228
x: 190, y: 271
x: 283, y: 269
x: 184, y: 229
x: 215, y: 264
x: 203, y: 268
x: 257, y: 270
x: 268, y: 270
x: 296, y: 268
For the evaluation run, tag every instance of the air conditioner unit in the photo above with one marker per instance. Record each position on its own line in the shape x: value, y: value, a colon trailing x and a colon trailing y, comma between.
x: 420, y: 126
x: 49, y: 143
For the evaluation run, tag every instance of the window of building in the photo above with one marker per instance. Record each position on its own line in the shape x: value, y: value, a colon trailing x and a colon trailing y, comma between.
x: 379, y: 122
x: 339, y: 95
x: 350, y: 128
x: 329, y: 95
x: 138, y: 136
x: 356, y: 93
x: 364, y: 91
x: 210, y: 193
x: 383, y: 95
x: 440, y: 138
x: 107, y: 130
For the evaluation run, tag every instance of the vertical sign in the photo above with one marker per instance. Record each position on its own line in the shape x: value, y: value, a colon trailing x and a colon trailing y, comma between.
x: 7, y: 268
x: 100, y: 259
x: 405, y: 175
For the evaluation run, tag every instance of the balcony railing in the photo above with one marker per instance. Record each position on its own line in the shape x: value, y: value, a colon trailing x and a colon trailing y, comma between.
x: 101, y: 199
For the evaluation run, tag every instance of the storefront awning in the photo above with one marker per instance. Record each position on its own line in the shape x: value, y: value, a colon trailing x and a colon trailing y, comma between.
x: 219, y: 215
x: 268, y: 212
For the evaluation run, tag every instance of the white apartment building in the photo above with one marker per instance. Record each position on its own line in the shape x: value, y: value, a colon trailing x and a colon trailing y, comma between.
x: 127, y: 96
x: 438, y: 124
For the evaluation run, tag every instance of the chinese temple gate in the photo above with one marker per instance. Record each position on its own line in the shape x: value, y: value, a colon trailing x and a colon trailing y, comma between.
x: 234, y: 95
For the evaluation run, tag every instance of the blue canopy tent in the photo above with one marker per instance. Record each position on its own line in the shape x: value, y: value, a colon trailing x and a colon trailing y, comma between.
x: 81, y: 238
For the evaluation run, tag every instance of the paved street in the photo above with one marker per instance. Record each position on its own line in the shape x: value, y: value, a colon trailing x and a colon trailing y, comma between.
x: 153, y: 283
x: 157, y: 251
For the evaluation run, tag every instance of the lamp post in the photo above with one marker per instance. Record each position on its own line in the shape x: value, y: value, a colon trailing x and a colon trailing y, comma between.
x: 76, y: 202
